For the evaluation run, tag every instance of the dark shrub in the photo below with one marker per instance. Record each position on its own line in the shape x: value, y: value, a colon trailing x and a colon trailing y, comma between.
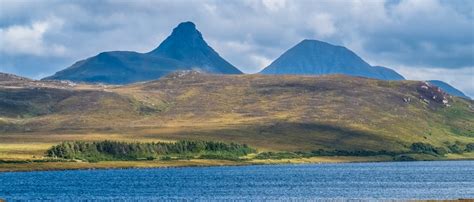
x: 403, y: 157
x: 469, y: 147
x: 420, y: 147
x: 455, y: 149
x: 150, y: 158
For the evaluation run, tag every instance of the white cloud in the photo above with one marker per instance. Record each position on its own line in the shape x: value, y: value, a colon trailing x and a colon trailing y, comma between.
x: 237, y: 50
x: 262, y: 61
x: 29, y: 39
x: 322, y: 24
x: 274, y: 5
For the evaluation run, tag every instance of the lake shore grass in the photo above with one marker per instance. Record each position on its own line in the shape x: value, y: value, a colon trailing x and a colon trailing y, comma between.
x: 45, y: 166
x: 51, y: 166
x: 27, y: 148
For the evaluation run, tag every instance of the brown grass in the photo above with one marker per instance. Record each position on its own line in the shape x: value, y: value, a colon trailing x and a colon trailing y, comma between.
x: 174, y: 163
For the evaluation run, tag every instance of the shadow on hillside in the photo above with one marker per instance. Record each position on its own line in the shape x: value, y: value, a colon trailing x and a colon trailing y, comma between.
x: 291, y: 136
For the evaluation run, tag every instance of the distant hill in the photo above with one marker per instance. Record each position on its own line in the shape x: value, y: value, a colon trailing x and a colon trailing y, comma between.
x: 448, y: 88
x: 313, y: 57
x: 280, y: 112
x: 4, y: 77
x: 184, y: 49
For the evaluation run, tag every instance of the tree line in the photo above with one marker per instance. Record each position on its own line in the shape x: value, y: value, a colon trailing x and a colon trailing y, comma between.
x: 115, y: 150
x: 415, y: 148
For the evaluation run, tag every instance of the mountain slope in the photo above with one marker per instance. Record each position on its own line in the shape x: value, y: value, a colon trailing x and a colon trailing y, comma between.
x: 119, y: 67
x: 312, y: 57
x: 184, y: 49
x: 448, y: 88
x: 388, y: 74
x: 290, y: 113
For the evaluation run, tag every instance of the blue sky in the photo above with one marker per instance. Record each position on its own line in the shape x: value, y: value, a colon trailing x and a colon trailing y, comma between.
x: 421, y: 39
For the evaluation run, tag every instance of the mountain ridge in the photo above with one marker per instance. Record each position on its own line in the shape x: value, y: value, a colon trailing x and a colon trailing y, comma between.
x: 184, y: 49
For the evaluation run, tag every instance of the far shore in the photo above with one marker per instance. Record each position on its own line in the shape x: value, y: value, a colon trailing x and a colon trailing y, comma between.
x: 55, y: 166
x: 45, y: 166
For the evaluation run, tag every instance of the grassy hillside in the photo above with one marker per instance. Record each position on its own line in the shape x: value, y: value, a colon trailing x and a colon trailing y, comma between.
x: 275, y: 113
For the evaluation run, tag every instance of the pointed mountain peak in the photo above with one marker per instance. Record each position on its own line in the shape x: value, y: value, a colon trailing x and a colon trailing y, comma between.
x: 187, y: 45
x: 185, y: 29
x: 185, y: 37
x: 186, y: 25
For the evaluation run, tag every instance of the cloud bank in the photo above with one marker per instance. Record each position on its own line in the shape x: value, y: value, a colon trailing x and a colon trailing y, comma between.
x: 423, y: 39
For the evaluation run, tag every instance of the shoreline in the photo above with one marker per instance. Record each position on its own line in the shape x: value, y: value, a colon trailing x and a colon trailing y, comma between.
x: 110, y: 165
x: 63, y: 166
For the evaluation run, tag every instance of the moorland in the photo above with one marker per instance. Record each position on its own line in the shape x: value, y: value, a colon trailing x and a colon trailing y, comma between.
x: 285, y: 118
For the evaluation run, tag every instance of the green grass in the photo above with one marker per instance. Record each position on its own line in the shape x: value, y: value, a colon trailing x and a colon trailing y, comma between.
x: 460, y: 118
x: 417, y: 151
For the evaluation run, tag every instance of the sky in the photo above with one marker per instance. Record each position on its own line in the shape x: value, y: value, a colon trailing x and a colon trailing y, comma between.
x: 420, y: 39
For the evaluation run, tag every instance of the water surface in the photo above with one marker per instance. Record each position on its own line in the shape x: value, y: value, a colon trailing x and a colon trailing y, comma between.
x: 391, y: 180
